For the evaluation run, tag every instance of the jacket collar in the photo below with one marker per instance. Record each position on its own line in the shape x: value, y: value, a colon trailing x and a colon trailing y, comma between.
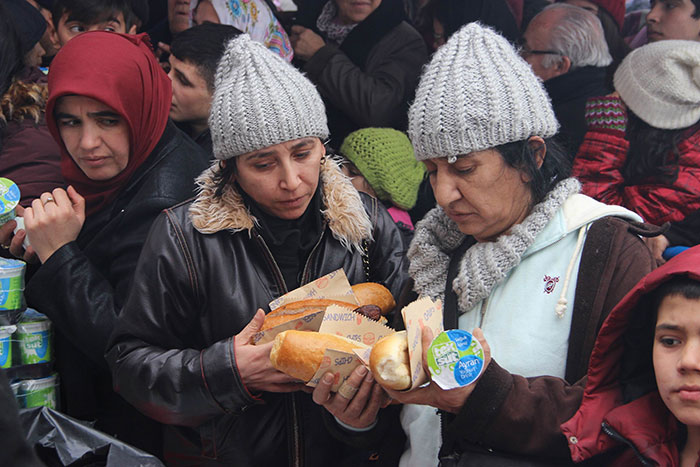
x: 582, y: 82
x: 343, y: 209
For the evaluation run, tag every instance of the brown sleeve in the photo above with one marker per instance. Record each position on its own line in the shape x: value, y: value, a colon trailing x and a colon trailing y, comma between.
x: 614, y: 259
x: 514, y: 414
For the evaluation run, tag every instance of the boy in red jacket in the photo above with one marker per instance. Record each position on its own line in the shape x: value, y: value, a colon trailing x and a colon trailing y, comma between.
x: 642, y: 399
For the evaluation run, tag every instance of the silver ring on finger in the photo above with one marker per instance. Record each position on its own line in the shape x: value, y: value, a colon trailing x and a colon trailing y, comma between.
x: 49, y: 199
x: 347, y: 391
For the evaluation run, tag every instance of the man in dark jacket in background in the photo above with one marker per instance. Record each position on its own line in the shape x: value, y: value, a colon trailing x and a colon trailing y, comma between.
x: 194, y: 54
x: 365, y: 60
x: 566, y: 48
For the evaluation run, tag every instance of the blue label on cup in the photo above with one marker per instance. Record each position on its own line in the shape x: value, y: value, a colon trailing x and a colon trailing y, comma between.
x: 467, y: 369
x: 461, y: 339
x: 5, y: 352
x: 12, y: 194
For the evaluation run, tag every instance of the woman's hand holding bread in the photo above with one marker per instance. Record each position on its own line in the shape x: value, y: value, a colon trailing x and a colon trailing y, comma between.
x: 357, y: 401
x: 253, y: 362
x: 449, y: 401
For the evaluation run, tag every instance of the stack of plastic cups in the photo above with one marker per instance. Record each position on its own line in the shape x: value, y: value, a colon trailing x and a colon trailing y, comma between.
x: 25, y: 338
x: 35, y: 347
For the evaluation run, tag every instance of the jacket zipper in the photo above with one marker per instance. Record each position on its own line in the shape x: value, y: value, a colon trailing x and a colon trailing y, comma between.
x: 305, y: 274
x: 610, y: 431
x: 482, y: 311
x: 296, y: 431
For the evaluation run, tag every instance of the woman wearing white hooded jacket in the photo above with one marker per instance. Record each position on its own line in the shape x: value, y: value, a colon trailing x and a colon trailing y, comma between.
x: 512, y: 249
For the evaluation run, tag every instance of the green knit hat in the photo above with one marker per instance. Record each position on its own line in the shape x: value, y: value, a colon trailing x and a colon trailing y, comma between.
x: 385, y: 158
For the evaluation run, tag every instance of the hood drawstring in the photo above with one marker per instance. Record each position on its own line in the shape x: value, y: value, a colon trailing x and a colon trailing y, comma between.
x: 563, y: 302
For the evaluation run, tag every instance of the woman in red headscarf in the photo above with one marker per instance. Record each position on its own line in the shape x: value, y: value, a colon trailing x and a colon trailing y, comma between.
x: 124, y: 162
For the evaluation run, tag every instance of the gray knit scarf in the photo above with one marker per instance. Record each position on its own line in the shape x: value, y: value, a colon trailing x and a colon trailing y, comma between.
x: 327, y: 24
x: 485, y: 264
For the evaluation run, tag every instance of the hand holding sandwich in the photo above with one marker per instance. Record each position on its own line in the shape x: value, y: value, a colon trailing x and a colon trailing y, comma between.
x: 253, y: 362
x: 449, y: 401
x: 357, y: 401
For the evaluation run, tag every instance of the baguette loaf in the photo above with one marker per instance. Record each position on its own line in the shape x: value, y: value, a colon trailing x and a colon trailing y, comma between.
x: 300, y: 353
x: 389, y: 361
x: 299, y: 309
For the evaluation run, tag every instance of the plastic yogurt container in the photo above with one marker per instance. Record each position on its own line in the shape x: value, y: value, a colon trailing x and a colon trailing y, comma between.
x: 39, y: 392
x: 34, y: 339
x: 11, y: 284
x: 455, y: 359
x: 17, y: 391
x: 6, y: 345
x: 9, y: 198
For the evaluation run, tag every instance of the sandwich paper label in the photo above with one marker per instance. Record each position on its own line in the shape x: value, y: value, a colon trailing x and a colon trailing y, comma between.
x: 356, y: 327
x: 340, y: 364
x: 343, y: 322
x: 417, y: 315
x: 306, y: 323
x: 332, y: 286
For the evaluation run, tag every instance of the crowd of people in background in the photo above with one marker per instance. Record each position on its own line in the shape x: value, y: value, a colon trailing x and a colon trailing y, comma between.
x: 534, y: 164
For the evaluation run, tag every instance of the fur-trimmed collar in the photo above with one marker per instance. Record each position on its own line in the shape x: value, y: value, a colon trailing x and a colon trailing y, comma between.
x: 343, y: 211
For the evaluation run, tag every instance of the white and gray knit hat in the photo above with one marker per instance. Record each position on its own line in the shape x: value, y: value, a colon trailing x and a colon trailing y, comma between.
x: 260, y: 100
x: 477, y: 93
x: 660, y: 82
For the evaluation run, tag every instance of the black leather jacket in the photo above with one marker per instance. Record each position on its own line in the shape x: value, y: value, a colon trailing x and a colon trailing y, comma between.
x: 84, y: 284
x: 172, y: 352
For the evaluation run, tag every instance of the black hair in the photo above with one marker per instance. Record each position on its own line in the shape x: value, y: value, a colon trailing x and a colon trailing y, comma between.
x: 678, y: 285
x: 523, y: 156
x: 10, y: 56
x: 636, y: 367
x: 653, y: 152
x: 696, y: 13
x: 453, y: 14
x: 617, y: 46
x: 203, y: 46
x: 94, y: 11
x: 222, y: 176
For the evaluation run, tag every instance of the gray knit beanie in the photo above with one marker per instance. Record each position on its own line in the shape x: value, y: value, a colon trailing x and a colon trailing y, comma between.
x: 260, y: 100
x: 660, y: 82
x: 477, y: 93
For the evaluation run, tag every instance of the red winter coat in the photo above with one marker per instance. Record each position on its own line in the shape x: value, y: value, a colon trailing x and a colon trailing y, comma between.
x: 608, y: 423
x: 598, y: 165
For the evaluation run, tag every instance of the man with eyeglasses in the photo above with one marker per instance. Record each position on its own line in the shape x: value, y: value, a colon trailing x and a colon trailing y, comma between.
x: 565, y: 46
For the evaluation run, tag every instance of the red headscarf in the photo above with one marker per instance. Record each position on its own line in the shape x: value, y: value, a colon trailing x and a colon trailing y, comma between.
x: 120, y: 71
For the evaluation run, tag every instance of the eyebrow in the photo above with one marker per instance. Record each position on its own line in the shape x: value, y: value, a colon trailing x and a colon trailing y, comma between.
x: 300, y: 144
x: 667, y: 327
x: 74, y: 18
x: 102, y: 113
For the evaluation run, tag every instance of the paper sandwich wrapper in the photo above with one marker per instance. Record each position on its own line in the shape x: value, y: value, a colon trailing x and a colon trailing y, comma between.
x: 417, y: 315
x: 345, y: 322
x: 332, y: 286
x: 424, y: 312
x: 354, y: 326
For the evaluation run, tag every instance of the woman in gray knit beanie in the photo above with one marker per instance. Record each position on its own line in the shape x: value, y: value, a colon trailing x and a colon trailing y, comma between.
x: 272, y: 214
x: 514, y: 253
